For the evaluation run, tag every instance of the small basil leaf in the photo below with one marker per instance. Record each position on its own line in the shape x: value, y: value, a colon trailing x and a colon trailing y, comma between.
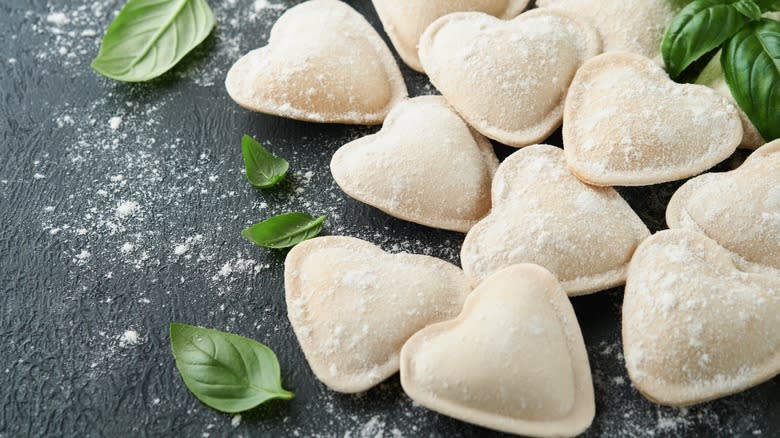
x: 748, y: 8
x: 149, y: 37
x: 751, y: 65
x: 263, y: 169
x: 700, y: 27
x: 229, y: 373
x: 285, y: 230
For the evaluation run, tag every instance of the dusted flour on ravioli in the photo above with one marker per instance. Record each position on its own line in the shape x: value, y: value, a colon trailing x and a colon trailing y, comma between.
x: 425, y: 165
x: 542, y: 214
x: 627, y: 124
x: 406, y: 20
x: 696, y: 327
x: 352, y: 306
x: 514, y: 360
x: 508, y: 79
x: 739, y: 209
x: 323, y: 63
x: 635, y: 26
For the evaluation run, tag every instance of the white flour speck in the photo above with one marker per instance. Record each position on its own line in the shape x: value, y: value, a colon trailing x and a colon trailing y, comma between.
x: 58, y: 18
x: 130, y: 338
x: 127, y: 208
x: 226, y: 270
x: 115, y: 122
x: 261, y: 5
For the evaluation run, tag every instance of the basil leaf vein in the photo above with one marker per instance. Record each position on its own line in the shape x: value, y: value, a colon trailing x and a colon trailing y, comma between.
x: 751, y: 66
x: 263, y: 169
x: 148, y: 37
x: 748, y: 8
x: 227, y: 372
x: 285, y: 230
x: 700, y: 27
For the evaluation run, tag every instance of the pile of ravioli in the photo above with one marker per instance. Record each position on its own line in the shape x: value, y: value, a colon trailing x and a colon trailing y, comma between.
x: 497, y: 342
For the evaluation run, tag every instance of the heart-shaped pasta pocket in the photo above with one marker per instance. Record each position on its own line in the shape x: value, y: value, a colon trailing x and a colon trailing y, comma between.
x: 542, y: 214
x: 406, y: 20
x: 425, y: 165
x: 695, y: 327
x: 508, y: 79
x: 514, y: 360
x: 323, y: 63
x: 739, y: 209
x: 352, y: 306
x: 627, y: 124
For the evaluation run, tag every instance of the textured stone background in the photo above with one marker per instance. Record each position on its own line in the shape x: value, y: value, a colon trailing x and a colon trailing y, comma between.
x: 108, y: 230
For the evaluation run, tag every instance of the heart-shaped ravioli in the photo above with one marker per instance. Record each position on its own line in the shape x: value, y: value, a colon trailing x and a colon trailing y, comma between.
x: 425, y: 165
x: 352, y: 306
x: 406, y: 20
x: 695, y: 327
x: 739, y: 209
x: 542, y: 214
x: 508, y: 79
x: 635, y: 26
x: 514, y: 360
x: 323, y: 63
x: 627, y: 124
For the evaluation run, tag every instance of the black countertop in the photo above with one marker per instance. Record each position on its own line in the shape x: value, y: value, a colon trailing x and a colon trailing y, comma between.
x: 128, y: 225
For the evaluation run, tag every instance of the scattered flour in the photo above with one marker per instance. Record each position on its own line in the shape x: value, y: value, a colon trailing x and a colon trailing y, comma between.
x: 115, y: 122
x: 261, y: 5
x: 130, y: 338
x: 156, y: 211
x: 127, y: 208
x: 58, y: 18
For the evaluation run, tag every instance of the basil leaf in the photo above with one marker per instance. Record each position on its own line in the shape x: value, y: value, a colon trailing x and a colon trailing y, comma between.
x: 149, y: 37
x: 748, y: 8
x: 229, y: 373
x: 284, y: 231
x: 751, y: 65
x: 769, y: 5
x: 263, y: 169
x: 700, y: 27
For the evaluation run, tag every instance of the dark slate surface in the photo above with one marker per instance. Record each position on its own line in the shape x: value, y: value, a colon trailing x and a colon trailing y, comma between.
x: 105, y: 231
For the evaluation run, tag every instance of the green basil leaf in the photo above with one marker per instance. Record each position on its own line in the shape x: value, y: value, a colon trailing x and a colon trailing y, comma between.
x: 700, y: 27
x: 769, y: 5
x: 229, y: 373
x: 149, y: 37
x: 751, y: 65
x: 284, y: 231
x: 263, y: 169
x: 748, y: 8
